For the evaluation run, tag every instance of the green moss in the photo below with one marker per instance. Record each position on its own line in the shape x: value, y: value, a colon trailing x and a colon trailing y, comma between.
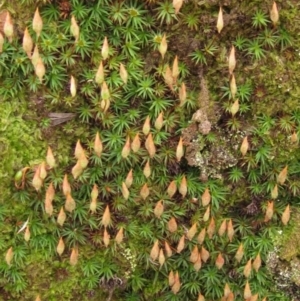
x: 20, y: 145
x: 267, y: 79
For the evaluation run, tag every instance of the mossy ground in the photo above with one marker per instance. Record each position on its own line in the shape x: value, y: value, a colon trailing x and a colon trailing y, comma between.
x: 268, y: 89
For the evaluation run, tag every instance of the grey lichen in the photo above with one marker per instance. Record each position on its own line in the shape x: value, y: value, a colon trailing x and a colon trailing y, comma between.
x: 284, y: 262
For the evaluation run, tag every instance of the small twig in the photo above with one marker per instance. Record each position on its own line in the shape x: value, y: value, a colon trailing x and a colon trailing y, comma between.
x: 111, y: 292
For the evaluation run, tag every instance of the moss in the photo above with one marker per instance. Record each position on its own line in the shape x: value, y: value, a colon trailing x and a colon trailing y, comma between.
x: 20, y: 144
x: 268, y: 93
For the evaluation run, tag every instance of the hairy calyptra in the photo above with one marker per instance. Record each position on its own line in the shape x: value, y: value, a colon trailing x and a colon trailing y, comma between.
x: 37, y: 22
x: 163, y: 46
x: 220, y: 21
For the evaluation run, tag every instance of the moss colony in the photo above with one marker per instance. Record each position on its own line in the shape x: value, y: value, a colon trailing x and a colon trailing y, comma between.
x: 149, y: 149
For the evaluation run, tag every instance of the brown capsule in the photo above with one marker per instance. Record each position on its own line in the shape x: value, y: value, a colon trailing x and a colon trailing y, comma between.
x: 73, y: 87
x: 1, y: 42
x: 286, y: 215
x: 181, y: 244
x: 75, y: 31
x: 48, y: 207
x: 294, y: 138
x: 269, y: 211
x: 168, y: 249
x: 230, y: 230
x: 95, y: 192
x: 83, y: 161
x: 37, y: 181
x: 227, y: 290
x: 201, y: 298
x: 77, y: 170
x: 204, y: 254
x: 105, y: 49
x: 161, y: 257
x: 61, y: 216
x: 282, y: 175
x: 37, y: 22
x: 201, y: 236
x: 231, y: 60
x: 233, y: 87
x: 220, y: 21
x: 176, y: 286
x: 274, y: 14
x: 194, y: 254
x: 27, y: 234
x: 205, y: 197
x: 146, y: 126
x: 98, y: 147
x: 198, y: 264
x: 192, y: 231
x: 206, y: 214
x: 182, y: 94
x: 123, y: 73
x: 9, y: 256
x: 38, y: 298
x: 129, y: 179
x: 172, y: 225
x: 219, y: 261
x: 257, y: 262
x: 66, y: 187
x: 147, y: 169
x: 175, y: 69
x: 93, y: 205
x: 183, y: 187
x: 125, y: 191
x: 235, y: 107
x: 230, y: 297
x: 106, y: 219
x: 35, y: 56
x: 106, y: 238
x: 27, y: 43
x: 177, y: 5
x: 150, y: 146
x: 171, y: 278
x: 172, y: 188
x: 247, y: 269
x: 159, y: 209
x: 60, y: 246
x: 163, y: 46
x: 70, y: 204
x: 100, y: 76
x: 126, y: 149
x: 244, y: 146
x: 239, y: 253
x: 8, y: 27
x: 136, y: 143
x: 222, y: 228
x: 211, y: 228
x: 78, y: 150
x: 247, y: 291
x: 169, y: 78
x: 154, y: 251
x: 120, y: 236
x: 144, y: 193
x: 274, y: 192
x: 159, y: 121
x: 43, y: 172
x: 50, y: 158
x: 105, y: 95
x: 179, y: 150
x: 254, y: 297
x: 74, y: 256
x: 50, y: 193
